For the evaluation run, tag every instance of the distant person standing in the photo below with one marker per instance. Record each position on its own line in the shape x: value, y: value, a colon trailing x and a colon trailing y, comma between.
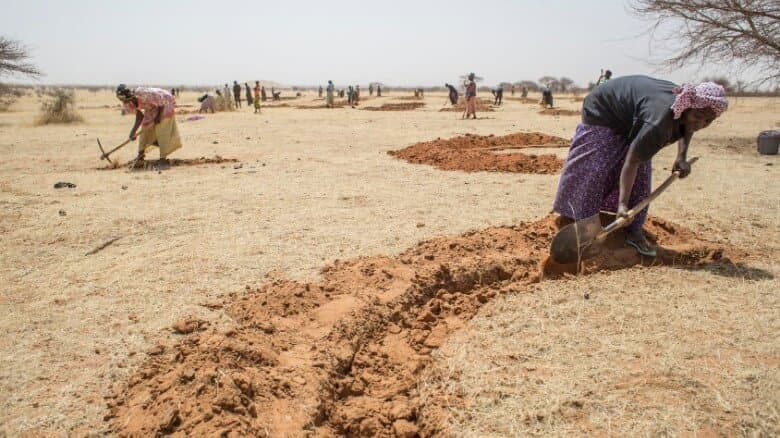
x: 319, y: 92
x: 498, y: 94
x: 350, y: 94
x: 547, y: 97
x: 370, y: 89
x: 471, y: 97
x: 604, y: 77
x: 329, y: 94
x: 453, y: 94
x: 257, y: 97
x: 237, y: 93
x: 524, y: 92
x: 249, y: 100
x: 263, y: 96
x: 226, y: 95
x: 378, y: 90
x: 513, y: 91
x: 356, y: 96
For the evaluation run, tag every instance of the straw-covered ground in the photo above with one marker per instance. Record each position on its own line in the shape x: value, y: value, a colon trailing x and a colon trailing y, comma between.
x: 288, y: 275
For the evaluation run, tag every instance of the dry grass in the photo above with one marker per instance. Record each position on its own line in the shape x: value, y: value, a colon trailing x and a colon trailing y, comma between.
x: 73, y: 325
x: 59, y: 108
x: 643, y: 352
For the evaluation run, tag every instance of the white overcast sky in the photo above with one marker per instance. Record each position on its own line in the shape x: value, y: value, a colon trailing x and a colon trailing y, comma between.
x: 399, y: 42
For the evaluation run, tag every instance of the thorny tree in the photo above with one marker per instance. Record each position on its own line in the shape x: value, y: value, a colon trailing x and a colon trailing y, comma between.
x: 741, y: 33
x: 13, y: 59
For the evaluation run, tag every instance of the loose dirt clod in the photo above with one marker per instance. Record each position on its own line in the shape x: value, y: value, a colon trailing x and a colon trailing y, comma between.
x: 396, y: 106
x: 473, y: 153
x: 172, y: 162
x: 343, y: 356
x: 558, y: 112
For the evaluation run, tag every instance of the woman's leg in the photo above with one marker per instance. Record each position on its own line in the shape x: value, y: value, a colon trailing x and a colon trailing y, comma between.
x: 592, y: 168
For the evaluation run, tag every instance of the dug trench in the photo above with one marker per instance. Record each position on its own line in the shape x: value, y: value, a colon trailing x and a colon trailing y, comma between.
x: 473, y: 153
x: 172, y: 162
x: 342, y: 356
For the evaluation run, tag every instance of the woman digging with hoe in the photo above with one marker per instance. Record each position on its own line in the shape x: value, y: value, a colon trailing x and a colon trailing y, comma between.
x: 154, y: 109
x: 625, y: 122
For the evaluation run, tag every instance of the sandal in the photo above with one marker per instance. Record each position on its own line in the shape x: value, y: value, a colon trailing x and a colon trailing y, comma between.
x: 641, y: 247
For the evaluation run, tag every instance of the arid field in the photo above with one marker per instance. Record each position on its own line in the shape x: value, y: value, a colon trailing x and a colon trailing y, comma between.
x: 290, y: 277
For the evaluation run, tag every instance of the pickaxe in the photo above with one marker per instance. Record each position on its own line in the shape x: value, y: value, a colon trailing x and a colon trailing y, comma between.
x: 104, y: 155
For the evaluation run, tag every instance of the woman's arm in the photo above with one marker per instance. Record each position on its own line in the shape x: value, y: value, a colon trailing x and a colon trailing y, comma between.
x: 681, y: 162
x: 139, y: 117
x: 627, y: 178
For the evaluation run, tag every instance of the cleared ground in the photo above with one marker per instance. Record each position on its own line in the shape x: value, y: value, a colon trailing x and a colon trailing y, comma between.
x: 313, y: 186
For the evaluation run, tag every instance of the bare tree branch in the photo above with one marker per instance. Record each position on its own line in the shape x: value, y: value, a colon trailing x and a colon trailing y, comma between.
x: 743, y: 34
x: 14, y: 59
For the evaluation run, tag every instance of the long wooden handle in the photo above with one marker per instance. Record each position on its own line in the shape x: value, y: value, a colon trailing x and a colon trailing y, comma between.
x: 105, y: 155
x: 621, y: 221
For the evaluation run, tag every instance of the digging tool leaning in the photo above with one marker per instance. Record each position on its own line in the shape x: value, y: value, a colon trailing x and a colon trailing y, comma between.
x: 581, y: 239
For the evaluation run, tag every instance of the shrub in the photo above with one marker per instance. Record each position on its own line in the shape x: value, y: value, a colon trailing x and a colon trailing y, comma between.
x: 59, y: 108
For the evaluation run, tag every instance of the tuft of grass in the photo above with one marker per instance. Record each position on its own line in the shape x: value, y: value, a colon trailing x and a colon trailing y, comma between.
x: 59, y: 108
x: 640, y: 352
x: 8, y: 96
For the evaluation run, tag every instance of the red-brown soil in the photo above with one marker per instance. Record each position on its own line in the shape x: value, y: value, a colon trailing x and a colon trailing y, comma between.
x: 342, y: 356
x: 396, y: 106
x: 558, y: 112
x: 473, y: 153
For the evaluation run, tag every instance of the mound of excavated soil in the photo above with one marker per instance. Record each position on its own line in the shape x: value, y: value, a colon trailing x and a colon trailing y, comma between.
x: 396, y: 106
x: 558, y: 112
x: 472, y: 153
x: 343, y: 356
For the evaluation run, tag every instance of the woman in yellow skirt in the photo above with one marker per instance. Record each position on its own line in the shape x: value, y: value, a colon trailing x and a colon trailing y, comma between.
x: 154, y: 110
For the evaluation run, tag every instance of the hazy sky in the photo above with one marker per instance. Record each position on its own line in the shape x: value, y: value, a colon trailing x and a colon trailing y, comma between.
x: 397, y: 42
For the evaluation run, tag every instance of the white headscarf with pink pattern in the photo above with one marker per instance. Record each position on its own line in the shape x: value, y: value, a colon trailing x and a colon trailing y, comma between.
x: 704, y: 95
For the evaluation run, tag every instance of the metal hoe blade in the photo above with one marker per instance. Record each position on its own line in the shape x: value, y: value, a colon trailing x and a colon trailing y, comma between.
x: 572, y: 243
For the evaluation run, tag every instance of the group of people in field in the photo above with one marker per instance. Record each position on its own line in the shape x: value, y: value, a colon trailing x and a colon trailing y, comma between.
x: 352, y: 93
x: 625, y: 122
x: 233, y: 99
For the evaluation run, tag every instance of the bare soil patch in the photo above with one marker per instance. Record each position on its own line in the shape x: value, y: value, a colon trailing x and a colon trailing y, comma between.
x: 472, y: 153
x: 522, y: 99
x: 343, y: 356
x: 559, y: 112
x: 483, y: 105
x: 396, y: 106
x: 339, y: 104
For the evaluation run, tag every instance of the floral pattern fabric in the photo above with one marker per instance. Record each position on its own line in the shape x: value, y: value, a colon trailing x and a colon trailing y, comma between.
x: 150, y: 102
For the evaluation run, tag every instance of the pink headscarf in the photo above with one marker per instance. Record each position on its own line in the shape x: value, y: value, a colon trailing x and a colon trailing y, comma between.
x: 705, y: 95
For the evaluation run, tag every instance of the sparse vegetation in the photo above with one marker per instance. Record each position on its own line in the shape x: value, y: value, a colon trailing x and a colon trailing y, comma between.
x: 13, y: 60
x: 742, y: 34
x: 59, y: 108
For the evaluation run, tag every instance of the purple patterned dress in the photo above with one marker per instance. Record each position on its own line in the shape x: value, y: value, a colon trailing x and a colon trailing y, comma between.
x: 591, y: 176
